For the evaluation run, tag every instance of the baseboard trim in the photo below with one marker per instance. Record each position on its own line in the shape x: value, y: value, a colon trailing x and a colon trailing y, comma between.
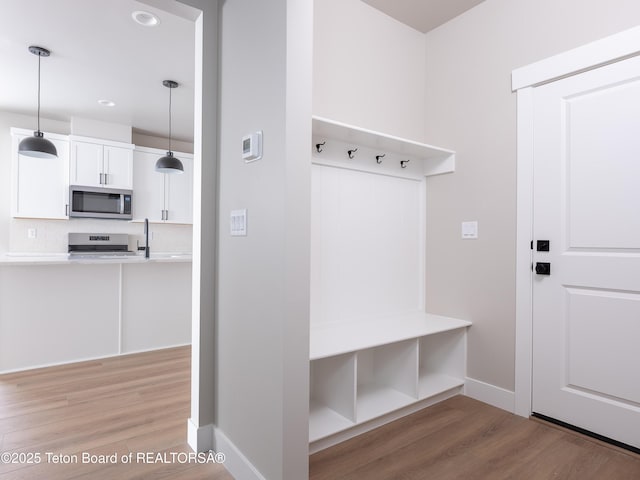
x: 106, y: 356
x: 200, y: 439
x: 235, y: 462
x: 487, y: 393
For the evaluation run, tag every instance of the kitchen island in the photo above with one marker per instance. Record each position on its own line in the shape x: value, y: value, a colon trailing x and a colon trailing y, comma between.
x: 55, y: 309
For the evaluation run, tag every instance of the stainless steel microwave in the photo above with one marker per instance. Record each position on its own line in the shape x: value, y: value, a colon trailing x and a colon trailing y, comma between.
x: 100, y: 202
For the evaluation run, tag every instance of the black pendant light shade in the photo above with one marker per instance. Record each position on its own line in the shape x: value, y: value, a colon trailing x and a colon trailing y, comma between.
x: 38, y: 146
x: 169, y: 163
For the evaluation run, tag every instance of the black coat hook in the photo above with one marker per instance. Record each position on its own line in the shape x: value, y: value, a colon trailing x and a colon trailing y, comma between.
x: 380, y: 157
x: 319, y: 146
x: 351, y: 153
x: 403, y: 163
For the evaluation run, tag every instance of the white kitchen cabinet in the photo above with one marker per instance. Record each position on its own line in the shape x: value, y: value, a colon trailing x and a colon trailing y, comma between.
x: 375, y: 352
x: 40, y: 186
x: 179, y: 193
x: 101, y: 163
x: 161, y: 197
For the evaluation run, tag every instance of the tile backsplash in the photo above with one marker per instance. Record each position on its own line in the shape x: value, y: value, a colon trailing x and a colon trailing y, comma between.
x: 51, y: 236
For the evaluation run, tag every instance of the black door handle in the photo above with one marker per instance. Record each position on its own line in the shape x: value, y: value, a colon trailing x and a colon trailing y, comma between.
x: 543, y: 268
x: 542, y: 245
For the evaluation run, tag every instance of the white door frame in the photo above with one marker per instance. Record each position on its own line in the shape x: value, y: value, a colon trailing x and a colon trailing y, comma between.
x: 523, y: 80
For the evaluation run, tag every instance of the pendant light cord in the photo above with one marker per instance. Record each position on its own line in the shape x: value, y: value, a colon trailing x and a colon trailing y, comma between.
x: 170, y: 118
x: 39, y: 58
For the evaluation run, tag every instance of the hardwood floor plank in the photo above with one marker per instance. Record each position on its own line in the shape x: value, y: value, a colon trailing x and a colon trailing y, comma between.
x: 122, y: 405
x: 349, y: 456
x: 476, y: 442
x: 140, y: 403
x: 66, y: 411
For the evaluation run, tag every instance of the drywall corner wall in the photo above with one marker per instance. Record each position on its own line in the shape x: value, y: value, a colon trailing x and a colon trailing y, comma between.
x: 471, y: 109
x: 263, y: 278
x: 368, y: 69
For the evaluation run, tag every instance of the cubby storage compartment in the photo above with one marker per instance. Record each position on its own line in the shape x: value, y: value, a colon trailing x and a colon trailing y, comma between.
x: 362, y: 371
x: 386, y: 379
x: 442, y: 362
x: 332, y: 403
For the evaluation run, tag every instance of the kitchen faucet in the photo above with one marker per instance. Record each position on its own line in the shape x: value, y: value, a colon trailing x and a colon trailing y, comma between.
x: 146, y: 238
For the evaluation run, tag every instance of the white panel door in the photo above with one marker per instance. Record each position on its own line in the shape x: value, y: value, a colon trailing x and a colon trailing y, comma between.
x: 586, y: 313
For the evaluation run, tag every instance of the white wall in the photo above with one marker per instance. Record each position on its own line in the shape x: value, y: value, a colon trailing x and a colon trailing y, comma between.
x: 263, y: 289
x: 368, y: 69
x: 470, y: 108
x: 88, y: 127
x: 141, y: 139
x: 372, y: 71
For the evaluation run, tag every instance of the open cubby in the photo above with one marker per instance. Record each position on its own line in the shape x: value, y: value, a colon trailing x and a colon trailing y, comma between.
x: 386, y: 379
x: 442, y: 362
x: 333, y: 395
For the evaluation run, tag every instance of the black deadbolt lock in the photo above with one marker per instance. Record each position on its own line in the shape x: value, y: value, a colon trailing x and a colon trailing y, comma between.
x: 542, y: 245
x: 543, y: 268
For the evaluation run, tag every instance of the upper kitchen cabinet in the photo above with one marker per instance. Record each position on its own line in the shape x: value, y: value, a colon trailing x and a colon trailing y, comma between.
x: 101, y: 163
x: 40, y: 186
x: 161, y: 197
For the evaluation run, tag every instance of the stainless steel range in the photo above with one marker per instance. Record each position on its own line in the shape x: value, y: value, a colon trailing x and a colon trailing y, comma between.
x: 99, y: 245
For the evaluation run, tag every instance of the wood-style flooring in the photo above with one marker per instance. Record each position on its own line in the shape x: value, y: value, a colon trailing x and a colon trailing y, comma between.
x: 464, y: 439
x: 131, y: 404
x: 140, y: 403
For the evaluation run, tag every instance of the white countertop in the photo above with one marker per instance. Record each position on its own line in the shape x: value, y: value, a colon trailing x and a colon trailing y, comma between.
x: 10, y: 259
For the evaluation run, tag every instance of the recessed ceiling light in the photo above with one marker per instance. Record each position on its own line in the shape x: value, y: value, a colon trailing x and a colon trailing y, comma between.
x: 107, y: 103
x: 145, y: 18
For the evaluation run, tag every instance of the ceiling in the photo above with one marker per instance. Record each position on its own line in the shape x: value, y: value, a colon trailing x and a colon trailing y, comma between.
x: 423, y: 15
x: 98, y: 52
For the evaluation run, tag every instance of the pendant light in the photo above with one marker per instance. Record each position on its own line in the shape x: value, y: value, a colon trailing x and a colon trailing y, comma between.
x: 38, y: 146
x: 169, y: 163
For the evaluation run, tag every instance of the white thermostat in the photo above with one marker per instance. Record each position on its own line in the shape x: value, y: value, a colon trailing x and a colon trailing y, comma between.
x: 252, y: 147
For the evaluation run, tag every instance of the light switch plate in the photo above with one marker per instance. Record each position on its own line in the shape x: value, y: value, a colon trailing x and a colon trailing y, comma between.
x: 238, y: 223
x: 470, y: 230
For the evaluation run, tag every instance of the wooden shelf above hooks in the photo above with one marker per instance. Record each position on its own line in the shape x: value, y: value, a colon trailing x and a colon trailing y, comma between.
x: 435, y: 160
